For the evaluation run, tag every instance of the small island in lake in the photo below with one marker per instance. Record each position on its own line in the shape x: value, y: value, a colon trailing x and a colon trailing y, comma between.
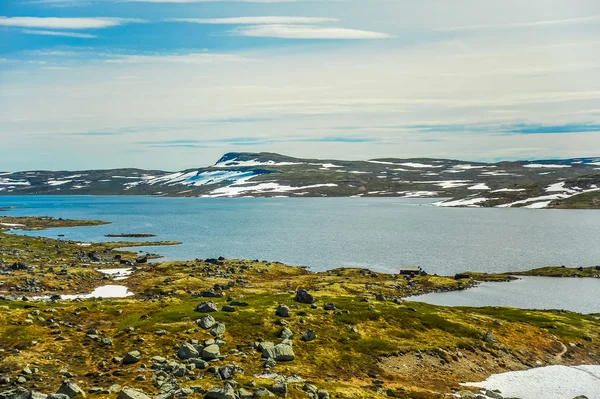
x: 131, y: 235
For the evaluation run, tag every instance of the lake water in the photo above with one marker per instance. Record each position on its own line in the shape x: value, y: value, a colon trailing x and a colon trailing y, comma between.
x: 323, y: 233
x: 574, y: 294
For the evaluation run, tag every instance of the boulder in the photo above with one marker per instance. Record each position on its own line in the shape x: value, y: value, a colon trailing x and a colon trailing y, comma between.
x: 218, y: 329
x: 19, y: 393
x: 71, y: 390
x: 130, y: 393
x: 225, y: 392
x: 211, y: 352
x: 207, y: 307
x: 132, y: 357
x: 303, y: 296
x: 280, y: 353
x: 206, y: 322
x: 309, y: 335
x: 228, y: 308
x: 282, y: 311
x: 286, y: 333
x: 489, y: 338
x: 187, y: 351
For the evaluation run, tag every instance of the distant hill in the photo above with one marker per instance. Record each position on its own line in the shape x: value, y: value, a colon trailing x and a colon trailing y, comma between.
x: 563, y: 183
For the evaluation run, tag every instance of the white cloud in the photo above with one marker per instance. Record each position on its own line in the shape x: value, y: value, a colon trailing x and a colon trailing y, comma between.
x: 307, y: 32
x: 56, y: 33
x: 534, y: 24
x: 193, y: 58
x: 64, y: 23
x: 256, y: 20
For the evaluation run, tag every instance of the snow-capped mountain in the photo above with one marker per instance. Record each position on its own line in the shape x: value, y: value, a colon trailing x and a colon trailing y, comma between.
x: 533, y: 184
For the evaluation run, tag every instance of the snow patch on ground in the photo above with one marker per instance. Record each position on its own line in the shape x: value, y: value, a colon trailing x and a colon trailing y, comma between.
x: 538, y: 205
x: 418, y: 165
x: 480, y: 186
x: 106, y: 291
x: 417, y: 194
x: 508, y: 190
x: 461, y: 202
x: 237, y: 189
x: 551, y: 382
x: 58, y: 182
x: 467, y: 166
x: 546, y: 165
x: 447, y: 183
x: 559, y: 187
x: 12, y: 224
x: 10, y: 182
x: 252, y: 162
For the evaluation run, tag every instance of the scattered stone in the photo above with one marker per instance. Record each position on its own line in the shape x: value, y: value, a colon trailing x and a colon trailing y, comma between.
x: 211, y: 352
x: 279, y: 353
x: 218, y: 329
x: 309, y: 335
x: 130, y: 393
x: 303, y: 296
x: 207, y: 307
x: 206, y: 322
x: 187, y: 351
x: 489, y: 338
x: 71, y: 390
x: 226, y: 392
x: 132, y: 357
x: 228, y: 308
x: 282, y: 311
x: 329, y: 306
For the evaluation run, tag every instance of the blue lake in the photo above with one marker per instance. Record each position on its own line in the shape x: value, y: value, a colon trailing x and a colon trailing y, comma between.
x: 323, y: 233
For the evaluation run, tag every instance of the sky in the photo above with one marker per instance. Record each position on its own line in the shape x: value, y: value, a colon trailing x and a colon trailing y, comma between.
x: 174, y: 84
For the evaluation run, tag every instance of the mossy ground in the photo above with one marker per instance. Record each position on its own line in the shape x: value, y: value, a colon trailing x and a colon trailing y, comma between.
x: 419, y: 350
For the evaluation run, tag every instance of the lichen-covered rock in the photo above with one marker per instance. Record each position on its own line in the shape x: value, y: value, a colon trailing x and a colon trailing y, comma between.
x: 207, y: 307
x: 280, y: 353
x: 71, y: 390
x: 130, y: 393
x: 206, y: 322
x: 303, y: 296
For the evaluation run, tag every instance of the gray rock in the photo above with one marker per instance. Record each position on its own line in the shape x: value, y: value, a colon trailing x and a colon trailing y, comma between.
x: 19, y: 393
x: 71, y: 390
x: 323, y: 394
x: 206, y: 322
x: 489, y: 338
x: 228, y: 308
x: 57, y: 396
x: 132, y: 357
x: 286, y: 333
x: 210, y: 352
x: 130, y: 393
x: 280, y: 353
x: 496, y: 395
x: 309, y: 335
x: 263, y: 393
x: 303, y: 296
x: 225, y: 392
x: 280, y: 388
x: 187, y: 351
x: 282, y: 311
x: 207, y: 307
x: 218, y: 329
x: 245, y: 394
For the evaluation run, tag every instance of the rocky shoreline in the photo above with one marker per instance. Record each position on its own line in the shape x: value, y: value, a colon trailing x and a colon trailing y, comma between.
x: 233, y: 329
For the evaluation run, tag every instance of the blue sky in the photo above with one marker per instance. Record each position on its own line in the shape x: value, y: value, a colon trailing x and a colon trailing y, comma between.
x: 174, y: 84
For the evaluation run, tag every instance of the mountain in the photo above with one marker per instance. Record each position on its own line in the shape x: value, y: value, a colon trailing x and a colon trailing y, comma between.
x: 564, y: 183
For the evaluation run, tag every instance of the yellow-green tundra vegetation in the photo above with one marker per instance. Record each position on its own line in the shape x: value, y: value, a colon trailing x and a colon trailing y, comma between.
x: 359, y: 339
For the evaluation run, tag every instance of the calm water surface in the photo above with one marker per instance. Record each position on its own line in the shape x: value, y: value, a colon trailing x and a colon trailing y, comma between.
x: 324, y: 233
x: 580, y: 295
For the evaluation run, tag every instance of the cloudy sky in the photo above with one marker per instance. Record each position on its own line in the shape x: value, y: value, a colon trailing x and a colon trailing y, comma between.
x: 173, y: 84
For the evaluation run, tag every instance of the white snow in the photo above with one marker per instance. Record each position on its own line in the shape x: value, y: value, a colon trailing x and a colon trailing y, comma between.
x: 59, y: 182
x: 461, y: 202
x: 125, y: 177
x: 467, y: 167
x: 480, y: 186
x: 446, y: 183
x: 330, y: 165
x: 498, y: 173
x: 551, y: 382
x: 418, y: 165
x: 545, y: 165
x: 538, y: 205
x: 415, y: 194
x: 559, y: 187
x: 535, y: 199
x: 12, y: 224
x: 106, y: 291
x: 117, y: 274
x: 268, y: 187
x: 252, y: 162
x: 508, y: 190
x: 358, y: 172
x: 10, y: 182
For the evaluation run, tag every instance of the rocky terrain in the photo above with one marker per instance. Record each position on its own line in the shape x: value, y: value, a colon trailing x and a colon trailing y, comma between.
x: 233, y: 329
x: 570, y: 183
